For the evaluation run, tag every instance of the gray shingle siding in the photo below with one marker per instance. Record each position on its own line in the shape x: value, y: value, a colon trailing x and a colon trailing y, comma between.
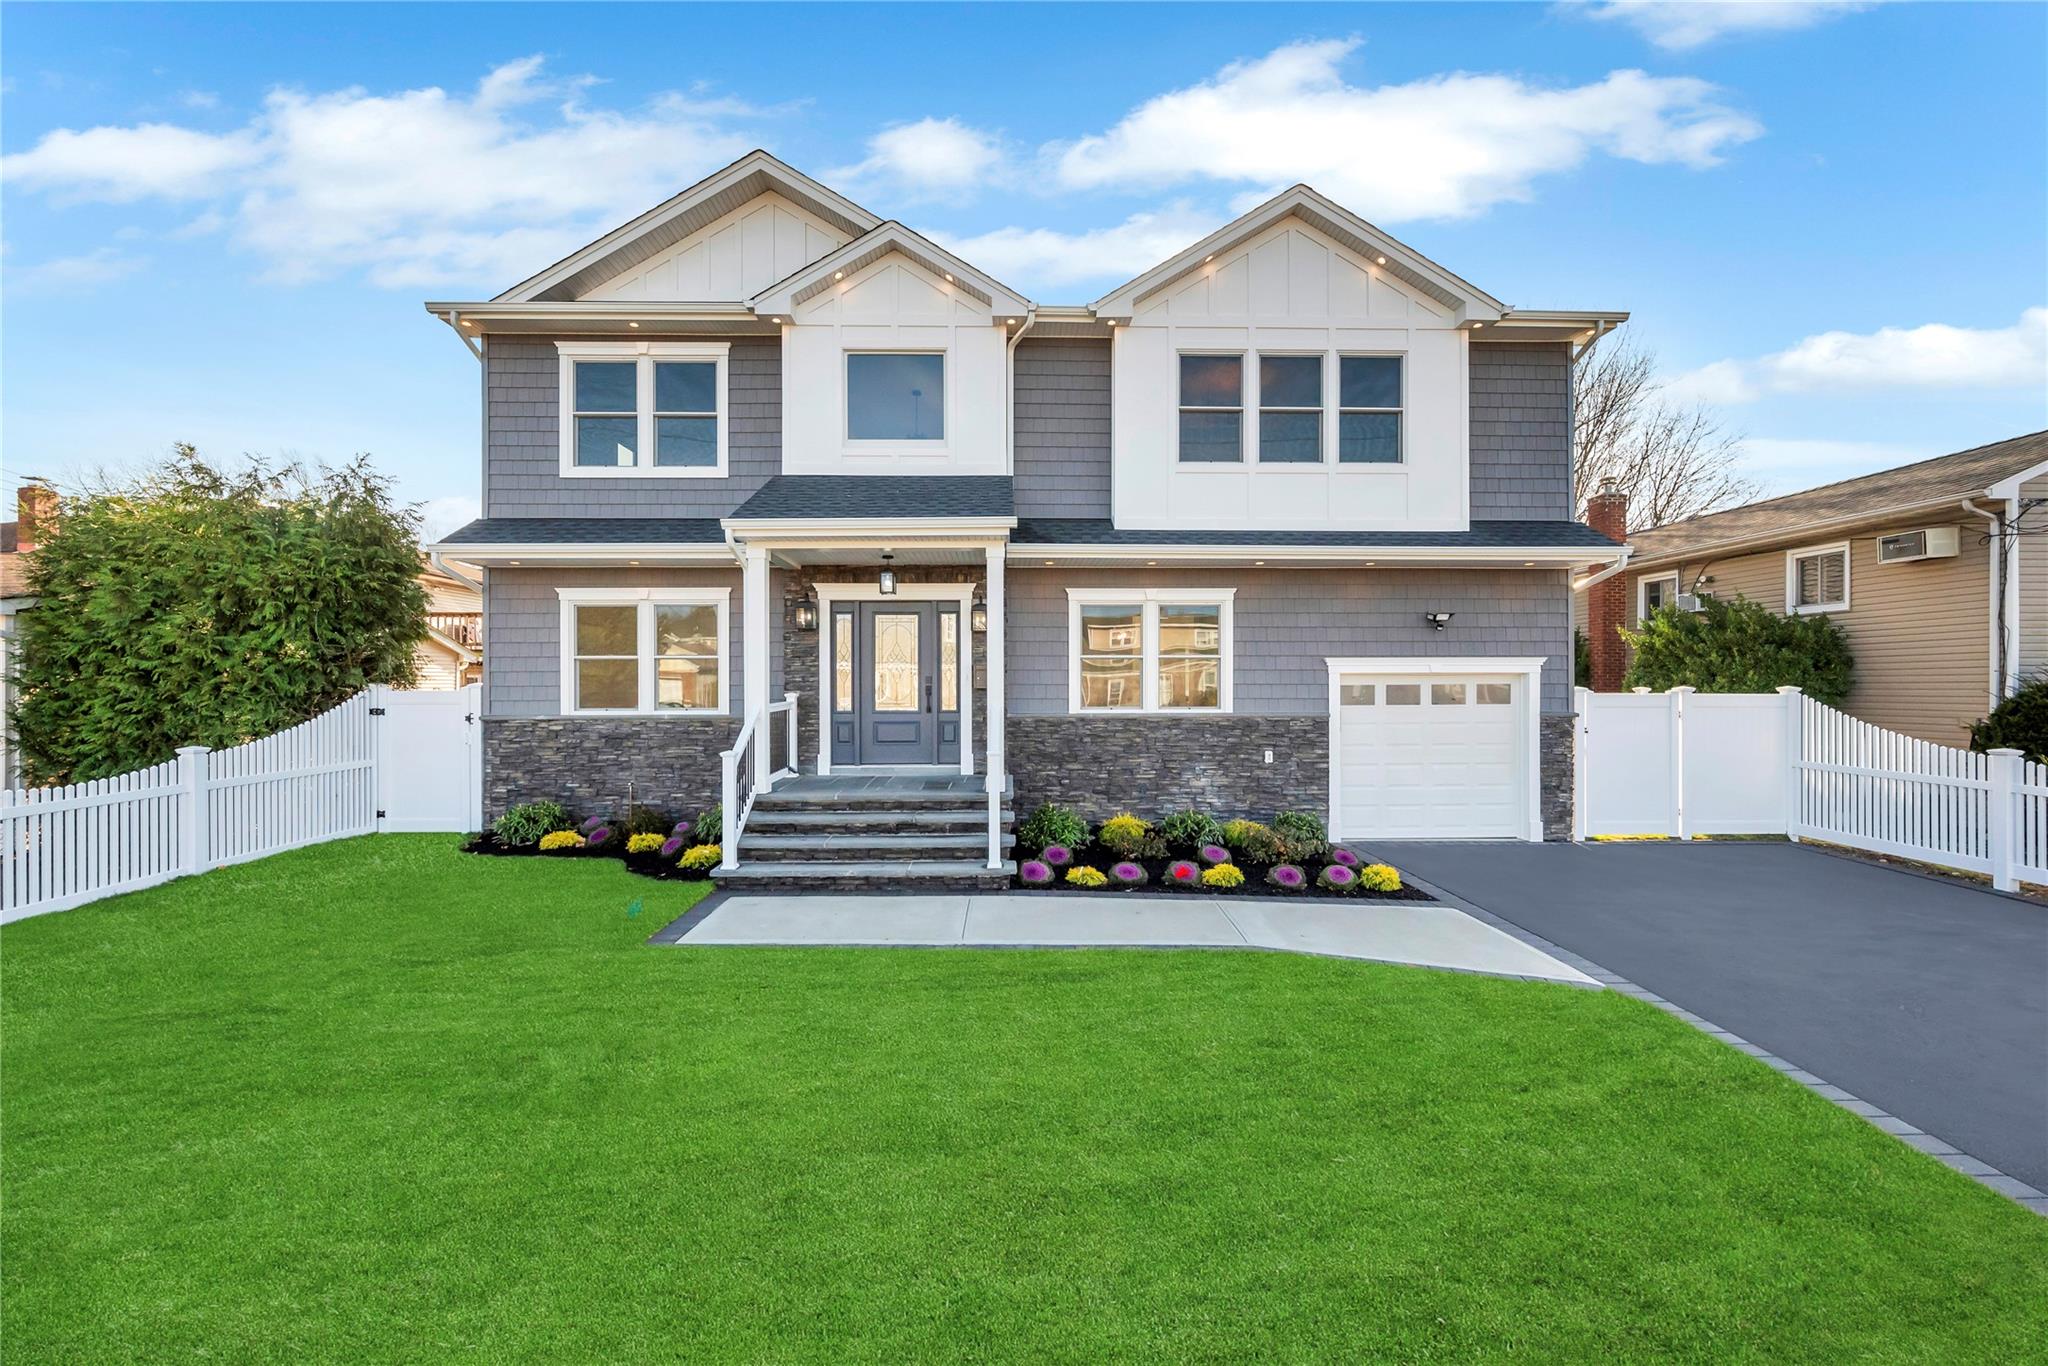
x: 1287, y: 621
x: 1521, y: 431
x: 1062, y: 416
x: 522, y: 468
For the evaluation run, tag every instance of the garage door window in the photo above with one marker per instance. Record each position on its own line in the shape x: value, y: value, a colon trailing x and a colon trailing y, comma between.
x: 1404, y: 694
x: 1447, y: 694
x: 1495, y: 694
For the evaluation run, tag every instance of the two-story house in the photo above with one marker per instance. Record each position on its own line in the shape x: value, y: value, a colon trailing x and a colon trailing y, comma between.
x: 1283, y: 523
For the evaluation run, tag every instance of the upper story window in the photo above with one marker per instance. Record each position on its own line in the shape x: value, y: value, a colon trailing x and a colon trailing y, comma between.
x: 1817, y: 579
x: 1290, y: 410
x: 1211, y: 409
x: 643, y: 408
x: 1369, y: 410
x: 644, y: 650
x: 1155, y: 650
x: 895, y: 396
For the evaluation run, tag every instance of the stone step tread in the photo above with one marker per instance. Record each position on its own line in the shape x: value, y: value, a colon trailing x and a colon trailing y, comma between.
x: 978, y: 816
x: 853, y: 843
x: 835, y: 801
x: 917, y: 869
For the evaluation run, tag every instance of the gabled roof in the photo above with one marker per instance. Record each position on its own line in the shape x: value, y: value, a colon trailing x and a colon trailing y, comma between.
x: 670, y: 221
x: 872, y: 246
x: 1947, y: 479
x: 1466, y: 300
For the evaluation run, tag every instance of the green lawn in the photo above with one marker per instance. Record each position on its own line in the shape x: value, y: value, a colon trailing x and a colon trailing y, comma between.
x: 379, y: 1100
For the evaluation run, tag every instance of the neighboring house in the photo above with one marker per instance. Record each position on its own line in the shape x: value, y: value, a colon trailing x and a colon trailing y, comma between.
x: 35, y: 513
x: 452, y: 654
x: 1284, y: 522
x: 1937, y: 573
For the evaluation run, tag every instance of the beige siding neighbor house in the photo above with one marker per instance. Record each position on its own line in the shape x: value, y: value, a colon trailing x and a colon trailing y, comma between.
x: 1937, y: 572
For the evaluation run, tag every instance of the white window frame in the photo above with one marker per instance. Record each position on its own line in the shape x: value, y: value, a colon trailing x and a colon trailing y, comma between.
x: 1245, y: 412
x: 1643, y: 592
x: 1148, y: 602
x: 1257, y: 440
x: 645, y: 354
x: 896, y: 445
x: 646, y: 599
x: 1401, y: 413
x: 1793, y: 607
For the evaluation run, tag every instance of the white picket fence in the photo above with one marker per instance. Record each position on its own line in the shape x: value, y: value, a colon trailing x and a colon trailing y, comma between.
x: 1683, y: 763
x: 383, y: 760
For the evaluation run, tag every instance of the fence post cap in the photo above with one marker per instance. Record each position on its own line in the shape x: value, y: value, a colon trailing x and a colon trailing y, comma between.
x: 1640, y: 692
x: 1683, y: 687
x: 1784, y: 688
x: 195, y: 749
x: 2007, y: 753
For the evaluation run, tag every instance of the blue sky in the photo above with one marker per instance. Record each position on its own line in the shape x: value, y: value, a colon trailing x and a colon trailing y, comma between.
x: 1829, y: 220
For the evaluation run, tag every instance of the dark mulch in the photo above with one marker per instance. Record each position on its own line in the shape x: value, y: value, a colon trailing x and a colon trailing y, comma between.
x: 646, y: 865
x: 1255, y: 883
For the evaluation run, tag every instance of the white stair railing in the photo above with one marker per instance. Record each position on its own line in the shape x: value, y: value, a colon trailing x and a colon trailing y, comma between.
x: 739, y: 784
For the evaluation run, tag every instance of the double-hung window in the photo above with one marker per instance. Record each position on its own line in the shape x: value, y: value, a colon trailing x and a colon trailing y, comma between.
x: 1149, y: 650
x: 650, y: 651
x: 1817, y: 579
x: 1655, y: 593
x: 643, y: 408
x: 1211, y: 409
x: 1290, y: 410
x: 1369, y: 410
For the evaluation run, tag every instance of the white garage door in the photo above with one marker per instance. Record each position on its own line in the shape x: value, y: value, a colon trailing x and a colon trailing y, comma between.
x: 1435, y: 756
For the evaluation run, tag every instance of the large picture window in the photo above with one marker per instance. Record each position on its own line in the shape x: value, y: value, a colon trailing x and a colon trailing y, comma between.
x: 659, y: 651
x: 895, y: 396
x: 643, y: 408
x: 1149, y: 650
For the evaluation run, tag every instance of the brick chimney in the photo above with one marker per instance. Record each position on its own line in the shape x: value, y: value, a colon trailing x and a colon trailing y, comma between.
x: 36, y: 514
x: 1607, y: 601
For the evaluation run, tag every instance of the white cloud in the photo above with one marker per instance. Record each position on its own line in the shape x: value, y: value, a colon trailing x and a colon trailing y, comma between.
x: 199, y: 99
x: 1680, y: 26
x: 65, y: 274
x: 1033, y: 258
x: 1441, y: 147
x: 417, y: 188
x: 1931, y: 356
x: 929, y: 159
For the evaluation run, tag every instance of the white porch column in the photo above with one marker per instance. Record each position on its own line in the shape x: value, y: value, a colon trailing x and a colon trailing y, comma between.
x: 994, y: 649
x: 754, y: 652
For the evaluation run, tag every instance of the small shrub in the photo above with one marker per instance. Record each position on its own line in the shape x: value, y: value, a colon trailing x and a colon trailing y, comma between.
x: 700, y: 858
x: 1086, y: 877
x: 1344, y: 856
x: 1735, y: 645
x: 645, y: 842
x: 597, y: 838
x: 1213, y: 854
x: 1337, y: 878
x: 1303, y: 834
x: 556, y: 840
x: 1128, y: 874
x: 710, y: 826
x: 1253, y: 842
x: 1124, y: 835
x: 1050, y: 825
x: 1181, y: 873
x: 1287, y: 877
x: 1035, y: 872
x: 1058, y: 855
x: 1185, y: 832
x: 1224, y: 877
x: 2019, y: 722
x: 673, y: 845
x: 529, y: 821
x: 1379, y: 877
x: 644, y: 820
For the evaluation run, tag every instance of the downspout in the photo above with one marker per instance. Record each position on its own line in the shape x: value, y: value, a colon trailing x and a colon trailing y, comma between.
x: 1580, y: 585
x: 1010, y: 392
x: 2004, y: 604
x: 434, y: 559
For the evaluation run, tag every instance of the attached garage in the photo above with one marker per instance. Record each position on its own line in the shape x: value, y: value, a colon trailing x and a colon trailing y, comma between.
x: 1434, y: 749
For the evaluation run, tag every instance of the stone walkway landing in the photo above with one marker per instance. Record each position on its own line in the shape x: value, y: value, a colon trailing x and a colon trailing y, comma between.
x: 1386, y: 932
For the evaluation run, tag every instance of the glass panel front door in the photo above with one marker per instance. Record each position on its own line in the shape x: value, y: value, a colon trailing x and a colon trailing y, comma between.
x: 898, y: 681
x: 897, y: 678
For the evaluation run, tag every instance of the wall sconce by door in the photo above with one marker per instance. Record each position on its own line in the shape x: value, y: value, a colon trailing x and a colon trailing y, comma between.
x: 806, y: 616
x: 978, y: 618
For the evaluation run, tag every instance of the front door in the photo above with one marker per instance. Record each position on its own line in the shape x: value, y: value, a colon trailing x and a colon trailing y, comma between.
x: 896, y: 683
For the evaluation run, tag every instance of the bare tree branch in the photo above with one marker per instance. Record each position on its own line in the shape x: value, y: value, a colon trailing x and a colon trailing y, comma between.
x: 1672, y: 460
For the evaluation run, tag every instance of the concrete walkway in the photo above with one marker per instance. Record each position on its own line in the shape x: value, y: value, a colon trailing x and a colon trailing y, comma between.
x: 1386, y: 932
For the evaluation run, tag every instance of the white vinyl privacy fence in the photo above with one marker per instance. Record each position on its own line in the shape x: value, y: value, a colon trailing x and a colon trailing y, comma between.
x: 1683, y: 763
x: 382, y: 761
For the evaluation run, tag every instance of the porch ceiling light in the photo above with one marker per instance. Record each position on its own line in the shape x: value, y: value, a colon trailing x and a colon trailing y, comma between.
x: 888, y: 580
x: 1438, y: 620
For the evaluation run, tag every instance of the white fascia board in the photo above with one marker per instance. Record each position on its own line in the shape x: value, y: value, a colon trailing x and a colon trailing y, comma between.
x: 1530, y: 557
x: 780, y: 297
x: 2008, y: 488
x: 1435, y: 664
x: 801, y: 530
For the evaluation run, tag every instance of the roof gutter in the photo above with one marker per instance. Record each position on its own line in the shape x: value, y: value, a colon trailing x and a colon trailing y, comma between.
x: 1581, y: 584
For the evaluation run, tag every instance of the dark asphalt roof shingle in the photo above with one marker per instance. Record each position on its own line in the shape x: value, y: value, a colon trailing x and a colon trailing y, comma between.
x: 816, y: 496
x: 588, y: 531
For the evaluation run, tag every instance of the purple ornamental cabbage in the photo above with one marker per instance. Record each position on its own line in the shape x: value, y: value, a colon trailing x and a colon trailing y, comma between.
x: 1035, y: 872
x: 1182, y: 873
x: 683, y: 827
x: 1344, y: 857
x: 597, y: 836
x: 593, y: 823
x: 1338, y: 878
x: 1288, y: 876
x: 672, y: 846
x: 1213, y: 854
x: 1058, y: 855
x: 1127, y: 874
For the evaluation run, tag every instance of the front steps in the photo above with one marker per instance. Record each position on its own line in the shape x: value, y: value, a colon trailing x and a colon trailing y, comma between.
x: 858, y: 833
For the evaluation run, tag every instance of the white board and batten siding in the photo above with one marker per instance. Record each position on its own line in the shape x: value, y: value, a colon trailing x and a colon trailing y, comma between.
x: 384, y: 760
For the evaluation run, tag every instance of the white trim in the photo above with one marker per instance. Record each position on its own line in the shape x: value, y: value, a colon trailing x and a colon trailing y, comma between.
x: 1793, y: 607
x: 646, y: 599
x: 1148, y: 602
x: 961, y: 593
x: 1528, y: 667
x: 1532, y: 556
x: 1643, y: 596
x: 645, y: 354
x: 500, y: 556
x: 815, y: 533
x: 780, y: 297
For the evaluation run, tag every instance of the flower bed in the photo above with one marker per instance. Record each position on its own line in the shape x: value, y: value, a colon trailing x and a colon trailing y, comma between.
x: 646, y: 841
x: 1193, y: 854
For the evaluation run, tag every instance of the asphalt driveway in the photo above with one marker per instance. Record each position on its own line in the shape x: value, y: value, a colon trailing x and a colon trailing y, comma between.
x: 1925, y: 997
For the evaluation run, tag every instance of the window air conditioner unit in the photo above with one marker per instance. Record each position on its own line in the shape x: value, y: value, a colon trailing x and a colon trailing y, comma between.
x: 1932, y: 543
x: 1687, y: 602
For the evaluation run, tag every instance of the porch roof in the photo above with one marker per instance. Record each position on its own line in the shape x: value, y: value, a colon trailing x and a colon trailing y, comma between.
x: 841, y: 497
x: 512, y: 531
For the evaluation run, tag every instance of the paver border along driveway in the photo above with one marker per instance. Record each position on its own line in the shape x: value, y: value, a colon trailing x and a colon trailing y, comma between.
x: 1925, y: 997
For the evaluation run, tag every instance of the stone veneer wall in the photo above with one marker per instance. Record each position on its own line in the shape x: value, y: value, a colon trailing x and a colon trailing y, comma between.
x: 800, y: 648
x: 1555, y: 744
x: 595, y: 765
x: 1100, y: 765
